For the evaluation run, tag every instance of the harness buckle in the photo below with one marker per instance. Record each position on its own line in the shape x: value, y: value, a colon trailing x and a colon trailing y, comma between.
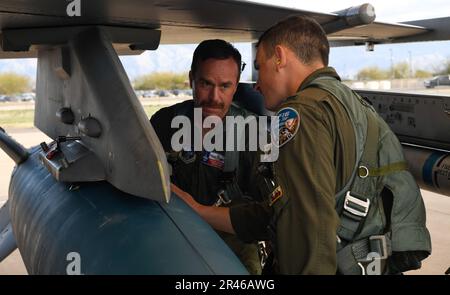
x: 263, y: 253
x: 223, y: 198
x: 363, y: 171
x: 356, y: 206
x: 363, y: 270
x: 379, y: 245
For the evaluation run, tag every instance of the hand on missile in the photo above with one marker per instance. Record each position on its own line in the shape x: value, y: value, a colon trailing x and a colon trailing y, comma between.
x: 186, y: 197
x: 217, y: 217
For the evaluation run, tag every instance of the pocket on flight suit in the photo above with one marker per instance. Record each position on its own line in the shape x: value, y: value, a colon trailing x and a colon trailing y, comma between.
x: 246, y: 252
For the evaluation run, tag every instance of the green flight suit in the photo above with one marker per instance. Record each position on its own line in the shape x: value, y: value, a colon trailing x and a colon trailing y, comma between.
x: 312, y: 167
x: 202, y: 180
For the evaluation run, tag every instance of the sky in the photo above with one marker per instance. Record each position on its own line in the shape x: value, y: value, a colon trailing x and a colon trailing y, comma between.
x: 347, y: 60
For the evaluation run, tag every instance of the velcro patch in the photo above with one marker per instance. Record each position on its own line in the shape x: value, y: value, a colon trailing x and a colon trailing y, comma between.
x: 275, y: 195
x: 213, y: 159
x: 187, y: 157
x: 288, y: 124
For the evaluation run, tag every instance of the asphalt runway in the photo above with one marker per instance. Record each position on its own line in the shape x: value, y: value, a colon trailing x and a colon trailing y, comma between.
x: 438, y: 215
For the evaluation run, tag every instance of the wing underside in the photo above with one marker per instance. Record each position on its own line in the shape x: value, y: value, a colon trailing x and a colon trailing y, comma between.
x: 183, y: 21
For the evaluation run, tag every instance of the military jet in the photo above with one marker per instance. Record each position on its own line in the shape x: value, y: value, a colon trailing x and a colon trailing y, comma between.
x: 96, y: 200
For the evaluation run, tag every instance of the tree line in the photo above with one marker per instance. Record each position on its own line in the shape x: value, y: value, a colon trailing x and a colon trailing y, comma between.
x: 164, y: 80
x: 401, y: 70
x: 12, y: 83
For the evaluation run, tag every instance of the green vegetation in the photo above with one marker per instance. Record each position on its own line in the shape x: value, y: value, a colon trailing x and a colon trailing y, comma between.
x: 11, y: 83
x: 150, y: 110
x: 423, y: 74
x: 167, y: 81
x: 444, y: 69
x: 17, y: 118
x: 400, y: 70
x: 372, y: 73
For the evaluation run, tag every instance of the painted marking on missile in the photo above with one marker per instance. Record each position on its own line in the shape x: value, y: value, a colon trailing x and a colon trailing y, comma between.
x: 427, y: 169
x: 444, y: 170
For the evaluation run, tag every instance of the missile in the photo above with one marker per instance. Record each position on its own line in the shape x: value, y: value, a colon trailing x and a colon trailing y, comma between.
x: 431, y: 168
x: 351, y: 17
x: 7, y: 242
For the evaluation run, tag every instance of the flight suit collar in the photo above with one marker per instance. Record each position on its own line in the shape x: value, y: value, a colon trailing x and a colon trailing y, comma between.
x: 323, y: 72
x: 326, y: 71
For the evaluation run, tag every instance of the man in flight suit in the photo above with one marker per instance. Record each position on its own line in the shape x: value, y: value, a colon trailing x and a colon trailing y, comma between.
x: 317, y: 156
x: 214, y: 77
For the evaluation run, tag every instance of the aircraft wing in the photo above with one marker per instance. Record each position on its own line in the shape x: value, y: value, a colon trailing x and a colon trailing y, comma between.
x: 185, y: 21
x: 437, y: 29
x: 377, y: 33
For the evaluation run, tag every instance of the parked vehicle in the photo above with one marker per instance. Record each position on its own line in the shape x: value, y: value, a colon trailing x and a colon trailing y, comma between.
x: 438, y: 81
x: 27, y: 96
x: 162, y: 93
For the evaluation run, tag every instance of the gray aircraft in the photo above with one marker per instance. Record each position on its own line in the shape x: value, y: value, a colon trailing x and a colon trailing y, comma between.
x: 99, y: 193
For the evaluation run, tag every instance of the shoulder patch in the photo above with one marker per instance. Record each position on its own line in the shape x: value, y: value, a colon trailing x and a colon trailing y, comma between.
x: 288, y: 124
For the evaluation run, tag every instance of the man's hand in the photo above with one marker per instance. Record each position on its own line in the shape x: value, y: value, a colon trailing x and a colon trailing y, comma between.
x: 217, y: 217
x: 186, y: 197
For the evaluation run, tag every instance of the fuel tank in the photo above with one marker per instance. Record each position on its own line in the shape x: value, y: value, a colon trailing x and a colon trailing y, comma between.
x: 107, y: 231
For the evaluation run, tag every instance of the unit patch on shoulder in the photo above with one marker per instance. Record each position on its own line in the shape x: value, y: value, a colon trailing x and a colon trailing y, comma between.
x: 288, y: 124
x: 275, y: 195
x: 187, y: 157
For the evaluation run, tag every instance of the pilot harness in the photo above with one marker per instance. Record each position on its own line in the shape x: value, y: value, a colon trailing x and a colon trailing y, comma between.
x: 228, y: 179
x: 229, y: 189
x: 367, y: 230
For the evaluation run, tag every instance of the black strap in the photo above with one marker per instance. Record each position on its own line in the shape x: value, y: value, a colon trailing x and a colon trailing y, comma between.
x: 353, y: 258
x: 229, y: 183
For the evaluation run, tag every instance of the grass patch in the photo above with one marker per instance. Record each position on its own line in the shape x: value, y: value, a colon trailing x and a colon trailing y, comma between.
x: 151, y: 110
x: 25, y: 118
x: 17, y: 118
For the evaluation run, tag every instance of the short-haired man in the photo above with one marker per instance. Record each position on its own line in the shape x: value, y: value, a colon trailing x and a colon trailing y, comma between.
x: 214, y: 77
x: 340, y: 168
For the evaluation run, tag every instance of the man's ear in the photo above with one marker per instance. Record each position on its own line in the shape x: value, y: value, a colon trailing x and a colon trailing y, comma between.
x: 280, y: 57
